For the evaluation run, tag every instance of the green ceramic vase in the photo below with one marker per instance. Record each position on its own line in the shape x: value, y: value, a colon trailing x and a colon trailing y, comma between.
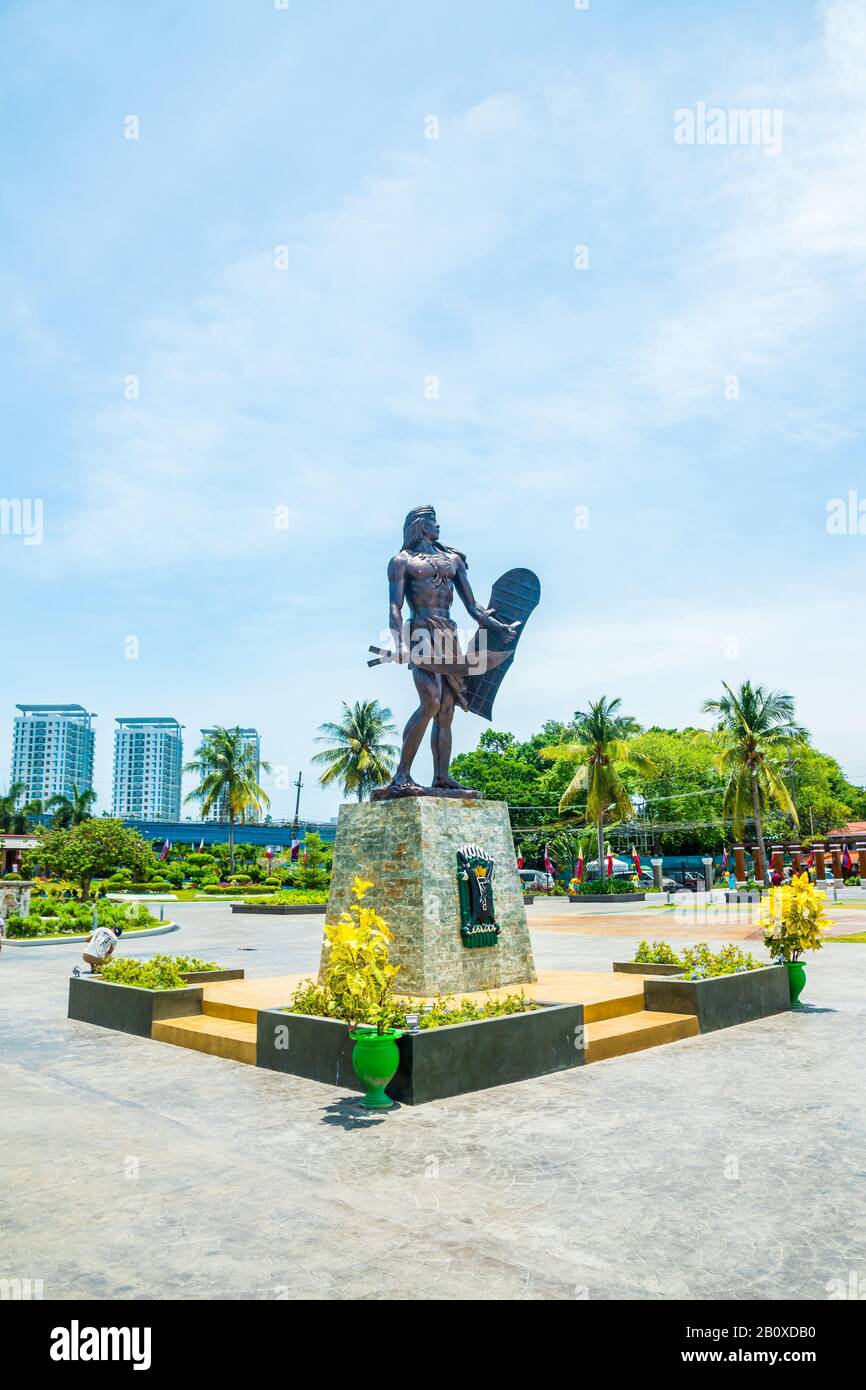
x: 796, y: 979
x: 375, y: 1058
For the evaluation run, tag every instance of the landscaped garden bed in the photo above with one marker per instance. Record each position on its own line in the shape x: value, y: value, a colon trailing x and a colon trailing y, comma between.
x: 311, y: 901
x: 606, y: 897
x: 434, y: 1063
x: 605, y: 890
x: 52, y: 920
x: 721, y: 1001
x: 131, y: 995
x: 656, y: 959
x: 721, y: 988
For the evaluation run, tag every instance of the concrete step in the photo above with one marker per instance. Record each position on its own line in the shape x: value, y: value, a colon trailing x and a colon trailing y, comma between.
x: 633, y: 1032
x: 220, y: 1037
x: 624, y: 998
x: 225, y: 1008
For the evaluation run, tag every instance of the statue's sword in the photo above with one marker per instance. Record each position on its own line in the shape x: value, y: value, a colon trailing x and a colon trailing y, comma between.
x: 474, y: 665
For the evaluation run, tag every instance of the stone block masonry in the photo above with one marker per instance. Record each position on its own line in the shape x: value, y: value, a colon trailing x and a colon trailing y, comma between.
x: 408, y: 848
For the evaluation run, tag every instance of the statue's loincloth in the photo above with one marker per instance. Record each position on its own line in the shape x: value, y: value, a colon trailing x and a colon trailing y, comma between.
x: 433, y: 638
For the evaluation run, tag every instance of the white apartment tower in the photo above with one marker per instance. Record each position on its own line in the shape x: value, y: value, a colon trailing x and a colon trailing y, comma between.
x: 148, y: 761
x: 52, y: 749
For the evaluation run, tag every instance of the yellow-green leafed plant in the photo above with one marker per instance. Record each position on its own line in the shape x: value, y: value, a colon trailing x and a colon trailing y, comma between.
x: 358, y: 974
x: 794, y: 919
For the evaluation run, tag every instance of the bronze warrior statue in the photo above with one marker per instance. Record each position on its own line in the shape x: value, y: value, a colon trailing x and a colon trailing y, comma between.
x: 425, y: 574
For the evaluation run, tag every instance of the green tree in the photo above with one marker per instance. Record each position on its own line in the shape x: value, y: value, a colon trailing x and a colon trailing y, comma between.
x: 503, y: 769
x: 358, y: 756
x: 71, y: 810
x: 226, y: 764
x: 683, y: 793
x: 14, y: 818
x: 314, y: 871
x: 754, y: 728
x: 600, y: 744
x: 94, y: 849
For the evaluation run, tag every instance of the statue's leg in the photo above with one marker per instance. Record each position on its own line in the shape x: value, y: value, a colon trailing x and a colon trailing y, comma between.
x: 429, y: 687
x: 440, y: 739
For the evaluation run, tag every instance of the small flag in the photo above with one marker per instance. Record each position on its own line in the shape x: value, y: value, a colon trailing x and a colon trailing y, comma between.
x: 165, y: 850
x: 810, y: 862
x: 520, y: 859
x: 578, y: 873
x: 305, y: 855
x: 295, y: 848
x: 608, y: 865
x: 201, y: 845
x: 724, y: 859
x: 846, y: 861
x: 269, y: 853
x: 548, y: 866
x: 635, y: 859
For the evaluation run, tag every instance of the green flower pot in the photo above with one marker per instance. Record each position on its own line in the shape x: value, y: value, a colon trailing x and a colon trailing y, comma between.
x: 375, y: 1058
x: 796, y: 979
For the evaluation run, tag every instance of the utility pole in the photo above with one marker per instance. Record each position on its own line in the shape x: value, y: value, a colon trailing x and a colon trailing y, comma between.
x: 299, y: 783
x: 792, y: 764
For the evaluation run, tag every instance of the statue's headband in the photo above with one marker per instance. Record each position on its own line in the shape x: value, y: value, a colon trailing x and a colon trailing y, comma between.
x: 415, y: 515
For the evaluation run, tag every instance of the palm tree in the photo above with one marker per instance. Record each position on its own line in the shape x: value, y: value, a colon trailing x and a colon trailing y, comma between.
x: 598, y: 743
x: 14, y: 818
x: 359, y: 758
x: 227, y: 765
x: 752, y: 726
x: 71, y: 810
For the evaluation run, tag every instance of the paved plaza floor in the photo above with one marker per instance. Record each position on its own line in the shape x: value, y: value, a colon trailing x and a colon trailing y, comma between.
x: 722, y: 1166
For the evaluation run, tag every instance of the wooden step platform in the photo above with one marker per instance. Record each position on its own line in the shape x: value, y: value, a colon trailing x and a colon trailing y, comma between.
x: 616, y: 1037
x: 219, y: 1037
x: 615, y: 1019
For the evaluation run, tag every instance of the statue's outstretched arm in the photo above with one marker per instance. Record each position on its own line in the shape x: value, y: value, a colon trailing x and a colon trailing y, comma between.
x: 484, y: 617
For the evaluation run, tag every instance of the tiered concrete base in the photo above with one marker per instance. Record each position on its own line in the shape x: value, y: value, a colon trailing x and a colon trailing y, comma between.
x: 615, y: 1020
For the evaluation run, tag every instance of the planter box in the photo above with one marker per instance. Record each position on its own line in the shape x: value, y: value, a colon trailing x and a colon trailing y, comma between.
x: 724, y: 1000
x: 285, y: 910
x: 529, y: 898
x: 606, y: 897
x: 435, y: 1063
x: 634, y: 967
x: 128, y: 1008
x: 210, y: 977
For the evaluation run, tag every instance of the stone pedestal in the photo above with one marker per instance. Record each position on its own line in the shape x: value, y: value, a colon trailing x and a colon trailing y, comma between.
x: 14, y: 897
x: 408, y: 848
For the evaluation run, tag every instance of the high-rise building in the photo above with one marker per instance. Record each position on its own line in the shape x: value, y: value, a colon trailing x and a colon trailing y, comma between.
x: 148, y: 761
x: 52, y: 748
x: 252, y: 738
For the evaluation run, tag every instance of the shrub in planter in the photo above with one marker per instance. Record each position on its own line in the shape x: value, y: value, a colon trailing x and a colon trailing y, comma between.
x: 607, y: 885
x: 156, y: 885
x: 160, y: 972
x: 191, y: 965
x: 659, y: 953
x: 794, y: 921
x: 853, y: 881
x: 76, y: 919
x: 701, y: 963
x: 296, y: 897
x: 238, y: 878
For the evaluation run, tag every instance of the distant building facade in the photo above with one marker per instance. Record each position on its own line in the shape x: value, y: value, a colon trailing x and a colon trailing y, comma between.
x: 148, y: 761
x: 52, y: 749
x: 252, y: 738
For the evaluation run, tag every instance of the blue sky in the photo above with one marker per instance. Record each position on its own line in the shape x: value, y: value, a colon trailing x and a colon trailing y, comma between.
x: 706, y: 555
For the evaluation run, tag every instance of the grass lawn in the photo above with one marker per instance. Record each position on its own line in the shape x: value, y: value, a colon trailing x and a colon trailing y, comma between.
x: 859, y: 938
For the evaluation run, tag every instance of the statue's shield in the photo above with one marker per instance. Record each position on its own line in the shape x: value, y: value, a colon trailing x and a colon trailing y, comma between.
x: 513, y: 599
